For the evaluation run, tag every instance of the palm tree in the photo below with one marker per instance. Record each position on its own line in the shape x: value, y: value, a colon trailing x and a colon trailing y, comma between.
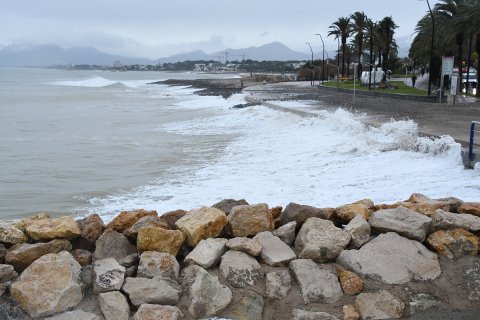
x: 359, y: 28
x: 341, y: 30
x: 387, y: 28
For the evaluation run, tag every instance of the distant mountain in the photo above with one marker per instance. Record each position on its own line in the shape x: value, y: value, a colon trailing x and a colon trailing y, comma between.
x: 48, y: 55
x: 274, y: 51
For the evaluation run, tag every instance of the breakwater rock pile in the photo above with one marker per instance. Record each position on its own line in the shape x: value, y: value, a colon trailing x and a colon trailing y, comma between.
x: 412, y: 259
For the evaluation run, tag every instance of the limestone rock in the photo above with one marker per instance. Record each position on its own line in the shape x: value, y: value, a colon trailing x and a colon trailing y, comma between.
x: 157, y: 290
x: 249, y: 307
x: 299, y: 314
x: 380, y: 305
x: 22, y: 224
x: 114, y: 306
x: 226, y: 205
x: 275, y: 252
x: 126, y: 219
x: 11, y: 235
x: 447, y: 204
x: 209, y: 296
x: 171, y: 217
x: 91, y: 229
x: 240, y: 269
x: 249, y: 220
x: 188, y: 276
x: 278, y: 284
x: 247, y: 245
x: 425, y: 208
x: 112, y: 244
x: 346, y: 213
x: 49, y: 285
x: 350, y: 282
x: 148, y: 221
x: 75, y: 315
x: 208, y: 252
x: 23, y: 254
x: 159, y: 239
x: 7, y: 273
x: 130, y: 260
x: 286, y: 233
x: 300, y: 213
x: 403, y: 221
x: 203, y: 223
x: 442, y: 220
x: 470, y: 208
x: 453, y: 243
x: 83, y: 257
x: 349, y: 313
x: 158, y: 264
x: 157, y: 312
x: 316, y: 285
x: 401, y: 259
x: 49, y: 229
x: 359, y: 231
x: 109, y: 275
x: 320, y: 240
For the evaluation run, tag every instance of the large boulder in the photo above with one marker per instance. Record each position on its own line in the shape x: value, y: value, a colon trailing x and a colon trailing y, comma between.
x: 157, y: 290
x: 148, y: 221
x: 209, y: 297
x: 11, y: 235
x: 49, y: 229
x: 278, y: 284
x: 320, y: 240
x: 470, y: 208
x: 226, y: 205
x: 249, y: 307
x: 453, y: 243
x: 392, y: 259
x: 275, y: 252
x: 51, y: 284
x: 344, y: 214
x: 244, y: 221
x: 203, y: 223
x: 157, y: 312
x: 379, y: 305
x: 316, y: 285
x: 208, y: 252
x: 300, y: 213
x: 126, y: 219
x: 286, y: 233
x: 359, y: 231
x: 403, y: 221
x: 22, y: 224
x: 112, y: 244
x: 159, y: 239
x: 158, y: 264
x: 114, y: 306
x: 443, y: 220
x: 23, y: 254
x: 109, y: 275
x: 247, y: 245
x: 91, y: 229
x: 240, y: 269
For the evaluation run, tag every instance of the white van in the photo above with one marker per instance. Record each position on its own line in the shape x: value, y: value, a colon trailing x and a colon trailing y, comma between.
x: 471, y: 81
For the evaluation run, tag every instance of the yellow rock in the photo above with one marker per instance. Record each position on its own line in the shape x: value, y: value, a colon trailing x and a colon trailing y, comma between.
x: 351, y: 283
x: 346, y: 213
x: 349, y: 313
x: 49, y: 229
x: 248, y: 220
x: 126, y: 219
x: 453, y: 243
x: 470, y: 208
x: 200, y: 224
x: 153, y: 238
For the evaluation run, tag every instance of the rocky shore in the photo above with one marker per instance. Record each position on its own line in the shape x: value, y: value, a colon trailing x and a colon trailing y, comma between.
x: 414, y: 259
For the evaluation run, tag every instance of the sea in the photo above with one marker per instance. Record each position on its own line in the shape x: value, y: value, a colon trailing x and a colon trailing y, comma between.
x: 82, y: 142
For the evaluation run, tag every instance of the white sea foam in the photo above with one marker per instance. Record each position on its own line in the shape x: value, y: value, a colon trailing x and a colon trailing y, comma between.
x: 99, y: 82
x: 325, y: 160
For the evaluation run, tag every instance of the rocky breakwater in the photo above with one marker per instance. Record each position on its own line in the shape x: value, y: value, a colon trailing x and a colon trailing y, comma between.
x: 414, y: 259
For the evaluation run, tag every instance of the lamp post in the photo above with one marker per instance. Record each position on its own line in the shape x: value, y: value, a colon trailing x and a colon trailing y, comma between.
x: 323, y: 56
x: 311, y: 82
x: 431, y: 49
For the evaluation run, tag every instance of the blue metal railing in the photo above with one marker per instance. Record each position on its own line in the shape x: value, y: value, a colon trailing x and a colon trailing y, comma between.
x: 472, y: 144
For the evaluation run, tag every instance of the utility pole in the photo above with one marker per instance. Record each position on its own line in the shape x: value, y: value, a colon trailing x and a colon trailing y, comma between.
x: 323, y: 56
x: 313, y: 74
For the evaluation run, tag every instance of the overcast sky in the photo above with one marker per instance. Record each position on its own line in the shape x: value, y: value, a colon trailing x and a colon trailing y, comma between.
x: 154, y: 28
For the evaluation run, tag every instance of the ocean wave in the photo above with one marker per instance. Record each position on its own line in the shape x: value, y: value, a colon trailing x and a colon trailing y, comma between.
x: 99, y: 82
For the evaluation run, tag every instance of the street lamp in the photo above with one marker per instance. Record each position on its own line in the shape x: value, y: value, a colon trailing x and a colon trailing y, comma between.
x: 323, y: 56
x: 431, y: 49
x: 311, y: 82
